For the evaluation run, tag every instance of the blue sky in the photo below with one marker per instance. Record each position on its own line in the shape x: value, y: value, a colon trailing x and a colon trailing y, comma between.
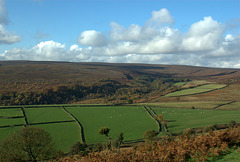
x: 188, y: 32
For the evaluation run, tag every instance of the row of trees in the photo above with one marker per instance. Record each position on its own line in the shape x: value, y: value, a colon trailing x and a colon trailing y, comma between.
x: 62, y: 94
x: 107, y: 90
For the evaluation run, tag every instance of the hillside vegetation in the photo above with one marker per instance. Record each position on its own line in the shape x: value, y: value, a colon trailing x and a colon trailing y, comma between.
x: 32, y: 83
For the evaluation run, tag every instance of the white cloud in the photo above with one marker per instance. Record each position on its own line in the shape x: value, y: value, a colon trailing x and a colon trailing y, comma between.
x: 6, y: 37
x: 206, y: 43
x: 203, y: 35
x: 92, y: 38
x: 159, y: 18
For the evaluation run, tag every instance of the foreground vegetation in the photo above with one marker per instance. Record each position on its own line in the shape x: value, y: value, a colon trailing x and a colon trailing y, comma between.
x: 28, y: 144
x: 201, y: 147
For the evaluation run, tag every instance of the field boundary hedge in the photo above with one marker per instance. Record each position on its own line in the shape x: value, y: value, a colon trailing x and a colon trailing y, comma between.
x: 64, y: 121
x: 5, y: 126
x: 11, y: 117
x: 25, y: 117
x: 150, y: 114
x: 79, y: 124
x: 224, y: 104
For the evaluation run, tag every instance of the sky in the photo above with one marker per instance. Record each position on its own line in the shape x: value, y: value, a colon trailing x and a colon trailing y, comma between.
x: 180, y: 32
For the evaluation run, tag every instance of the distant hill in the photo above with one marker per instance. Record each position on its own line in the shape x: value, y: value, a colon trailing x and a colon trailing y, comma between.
x: 22, y: 77
x: 43, y: 70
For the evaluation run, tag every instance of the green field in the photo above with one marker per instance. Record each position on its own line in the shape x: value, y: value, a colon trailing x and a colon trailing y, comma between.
x: 11, y: 112
x: 196, y: 104
x: 8, y: 117
x: 180, y: 119
x: 195, y: 90
x: 232, y: 106
x: 11, y: 122
x: 132, y: 121
x: 46, y: 114
x: 63, y: 134
x: 5, y: 132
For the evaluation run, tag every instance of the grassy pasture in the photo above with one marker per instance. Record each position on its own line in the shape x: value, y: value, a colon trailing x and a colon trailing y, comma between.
x: 11, y: 122
x: 63, y: 134
x: 11, y: 112
x: 195, y: 90
x: 232, y: 106
x: 46, y: 114
x: 131, y: 120
x: 196, y: 104
x: 180, y: 119
x: 5, y: 132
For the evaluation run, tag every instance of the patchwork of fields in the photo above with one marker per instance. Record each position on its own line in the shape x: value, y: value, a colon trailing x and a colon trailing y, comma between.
x: 133, y: 121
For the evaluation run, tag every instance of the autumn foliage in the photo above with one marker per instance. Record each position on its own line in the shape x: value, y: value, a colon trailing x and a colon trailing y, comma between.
x: 197, y: 148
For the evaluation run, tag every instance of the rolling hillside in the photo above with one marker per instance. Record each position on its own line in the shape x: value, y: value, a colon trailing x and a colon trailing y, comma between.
x: 29, y: 82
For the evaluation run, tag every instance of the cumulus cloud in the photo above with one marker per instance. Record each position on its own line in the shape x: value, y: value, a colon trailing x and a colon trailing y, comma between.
x: 203, y: 35
x: 92, y: 38
x: 160, y: 18
x: 206, y: 43
x: 6, y: 37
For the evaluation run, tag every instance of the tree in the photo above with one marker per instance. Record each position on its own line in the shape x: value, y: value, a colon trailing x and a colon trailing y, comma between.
x: 104, y: 131
x: 117, y: 142
x: 29, y: 144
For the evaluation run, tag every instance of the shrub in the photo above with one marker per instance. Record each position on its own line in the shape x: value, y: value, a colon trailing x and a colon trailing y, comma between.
x: 98, y: 147
x: 149, y: 135
x: 221, y: 126
x: 232, y: 123
x: 209, y: 128
x: 104, y: 131
x: 77, y: 148
x: 197, y: 148
x: 188, y: 131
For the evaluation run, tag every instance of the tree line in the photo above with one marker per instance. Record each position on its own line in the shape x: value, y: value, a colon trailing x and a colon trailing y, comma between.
x: 106, y: 89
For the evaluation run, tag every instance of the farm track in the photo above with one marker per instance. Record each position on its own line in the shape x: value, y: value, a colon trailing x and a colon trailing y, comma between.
x: 152, y: 114
x: 79, y: 124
